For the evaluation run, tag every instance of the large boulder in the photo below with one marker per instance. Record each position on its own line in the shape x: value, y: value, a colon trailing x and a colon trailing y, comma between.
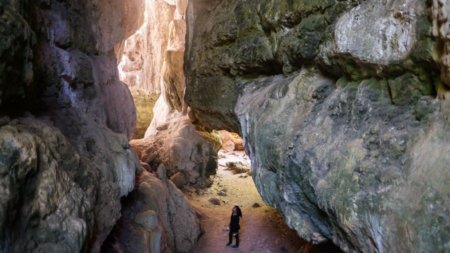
x: 156, y: 218
x: 231, y: 141
x: 48, y: 190
x: 183, y: 148
x: 336, y: 103
x: 54, y: 197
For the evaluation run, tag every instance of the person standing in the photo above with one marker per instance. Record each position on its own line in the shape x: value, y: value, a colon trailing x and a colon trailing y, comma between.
x: 234, y: 227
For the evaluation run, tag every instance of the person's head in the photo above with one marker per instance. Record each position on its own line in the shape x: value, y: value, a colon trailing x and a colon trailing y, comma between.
x: 237, y: 210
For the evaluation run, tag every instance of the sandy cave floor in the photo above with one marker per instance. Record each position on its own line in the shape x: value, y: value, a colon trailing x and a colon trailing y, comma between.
x: 263, y: 229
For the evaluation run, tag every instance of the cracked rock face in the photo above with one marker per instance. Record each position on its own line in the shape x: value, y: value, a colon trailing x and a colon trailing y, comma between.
x: 46, y: 190
x: 152, y: 221
x: 156, y: 216
x: 174, y: 138
x: 66, y: 120
x: 441, y: 30
x: 142, y: 55
x: 337, y: 104
x: 185, y: 149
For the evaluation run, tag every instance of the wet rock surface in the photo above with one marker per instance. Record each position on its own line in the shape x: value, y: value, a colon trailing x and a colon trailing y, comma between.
x: 337, y: 104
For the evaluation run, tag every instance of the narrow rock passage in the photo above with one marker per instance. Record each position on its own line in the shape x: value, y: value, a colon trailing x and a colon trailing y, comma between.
x: 263, y: 229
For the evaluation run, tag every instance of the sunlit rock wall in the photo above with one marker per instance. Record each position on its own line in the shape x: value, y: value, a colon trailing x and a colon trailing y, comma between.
x: 188, y: 151
x: 66, y: 120
x: 156, y: 216
x: 337, y: 104
x: 143, y: 53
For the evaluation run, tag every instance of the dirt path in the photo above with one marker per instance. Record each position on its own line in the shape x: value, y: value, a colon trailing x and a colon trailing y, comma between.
x: 262, y: 228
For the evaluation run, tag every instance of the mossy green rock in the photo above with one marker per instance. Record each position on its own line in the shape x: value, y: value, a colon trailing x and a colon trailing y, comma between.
x: 336, y: 102
x: 144, y: 110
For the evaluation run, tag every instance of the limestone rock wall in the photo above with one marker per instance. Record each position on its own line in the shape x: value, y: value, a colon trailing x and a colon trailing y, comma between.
x: 143, y: 54
x: 337, y: 104
x: 66, y: 120
x: 144, y: 110
x: 152, y: 221
x: 231, y: 141
x: 188, y: 152
x: 172, y: 138
x: 156, y: 216
x: 441, y: 30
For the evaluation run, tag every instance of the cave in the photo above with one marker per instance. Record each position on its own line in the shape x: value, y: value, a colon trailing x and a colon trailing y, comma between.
x: 135, y: 126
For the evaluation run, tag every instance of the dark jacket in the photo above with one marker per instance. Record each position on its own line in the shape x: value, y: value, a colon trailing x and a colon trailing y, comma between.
x: 234, y: 223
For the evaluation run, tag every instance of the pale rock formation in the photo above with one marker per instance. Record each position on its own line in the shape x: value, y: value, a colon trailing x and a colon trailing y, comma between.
x: 182, y: 148
x: 379, y: 38
x: 231, y: 141
x: 336, y: 103
x: 188, y: 151
x: 143, y: 53
x: 363, y: 36
x: 156, y: 218
x: 153, y: 60
x: 181, y: 8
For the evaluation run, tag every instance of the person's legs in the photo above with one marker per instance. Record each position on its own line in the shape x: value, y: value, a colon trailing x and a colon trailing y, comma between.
x: 230, y: 237
x: 237, y: 239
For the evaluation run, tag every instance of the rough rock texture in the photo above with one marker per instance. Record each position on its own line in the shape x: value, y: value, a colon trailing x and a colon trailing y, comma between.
x: 156, y: 218
x: 143, y: 54
x: 47, y: 190
x: 188, y: 151
x: 182, y: 148
x: 441, y: 30
x: 251, y: 38
x: 238, y: 167
x: 144, y: 110
x: 336, y: 102
x: 64, y: 169
x: 231, y: 141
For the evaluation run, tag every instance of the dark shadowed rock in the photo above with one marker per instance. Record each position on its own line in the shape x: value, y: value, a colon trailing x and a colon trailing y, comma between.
x: 67, y: 166
x: 238, y: 167
x: 214, y: 201
x: 222, y: 193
